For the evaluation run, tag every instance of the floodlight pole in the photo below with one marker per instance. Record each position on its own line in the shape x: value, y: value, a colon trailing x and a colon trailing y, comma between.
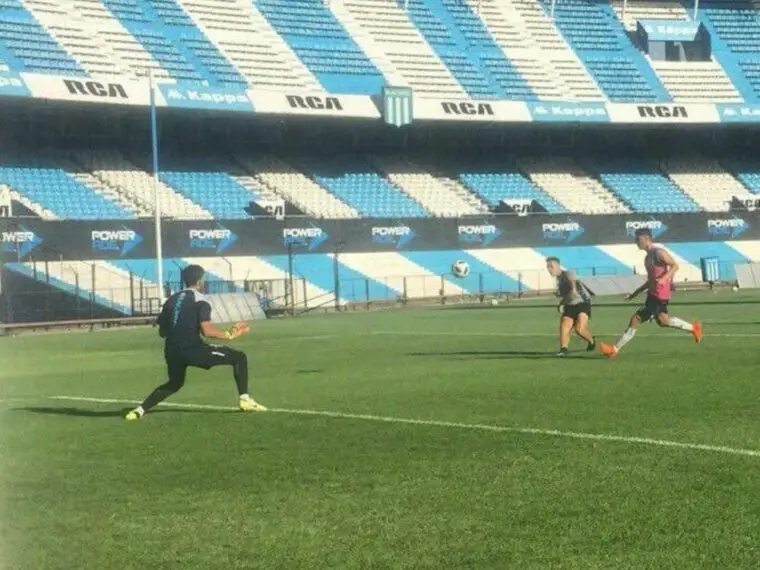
x: 554, y: 3
x: 406, y: 5
x: 696, y: 9
x: 625, y: 9
x: 156, y: 201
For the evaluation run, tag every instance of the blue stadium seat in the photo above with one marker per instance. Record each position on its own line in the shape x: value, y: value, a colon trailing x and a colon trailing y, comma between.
x: 217, y: 192
x: 55, y: 190
x: 642, y: 186
x: 494, y: 182
x: 460, y: 39
x: 747, y: 170
x: 735, y: 35
x: 171, y: 37
x: 316, y: 36
x: 598, y: 36
x: 27, y: 46
x: 358, y: 185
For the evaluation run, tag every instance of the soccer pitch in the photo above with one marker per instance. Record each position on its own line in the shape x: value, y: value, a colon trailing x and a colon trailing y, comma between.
x: 421, y: 438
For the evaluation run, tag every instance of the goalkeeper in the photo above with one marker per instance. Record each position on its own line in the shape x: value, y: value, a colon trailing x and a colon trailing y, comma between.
x: 186, y: 316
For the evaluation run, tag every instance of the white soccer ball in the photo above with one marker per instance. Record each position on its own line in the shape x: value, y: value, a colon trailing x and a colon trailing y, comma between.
x: 735, y: 288
x: 460, y: 269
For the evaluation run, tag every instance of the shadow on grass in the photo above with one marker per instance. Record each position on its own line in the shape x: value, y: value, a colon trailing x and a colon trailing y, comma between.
x: 84, y: 413
x: 496, y: 354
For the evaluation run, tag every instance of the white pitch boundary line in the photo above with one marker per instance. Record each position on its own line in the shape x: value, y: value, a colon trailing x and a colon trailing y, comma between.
x: 540, y: 334
x: 456, y: 425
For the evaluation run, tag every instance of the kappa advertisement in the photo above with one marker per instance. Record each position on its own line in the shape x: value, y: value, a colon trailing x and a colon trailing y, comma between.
x: 30, y: 239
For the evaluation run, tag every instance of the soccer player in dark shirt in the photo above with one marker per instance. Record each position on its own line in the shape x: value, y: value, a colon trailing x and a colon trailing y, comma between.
x: 574, y: 306
x: 186, y: 316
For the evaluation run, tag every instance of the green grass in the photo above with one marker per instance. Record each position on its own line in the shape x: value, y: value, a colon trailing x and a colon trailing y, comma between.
x: 212, y: 489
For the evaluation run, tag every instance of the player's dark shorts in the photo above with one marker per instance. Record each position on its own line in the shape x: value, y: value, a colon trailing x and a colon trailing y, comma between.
x: 204, y: 356
x: 574, y: 311
x: 652, y: 307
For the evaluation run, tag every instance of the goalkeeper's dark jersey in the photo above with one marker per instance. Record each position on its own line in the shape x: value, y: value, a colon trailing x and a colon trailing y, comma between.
x: 181, y: 317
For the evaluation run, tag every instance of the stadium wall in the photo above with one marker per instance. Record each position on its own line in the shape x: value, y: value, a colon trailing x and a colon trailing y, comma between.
x: 79, y: 240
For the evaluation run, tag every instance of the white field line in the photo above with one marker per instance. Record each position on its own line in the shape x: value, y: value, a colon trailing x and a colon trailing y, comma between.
x: 541, y: 334
x: 455, y: 425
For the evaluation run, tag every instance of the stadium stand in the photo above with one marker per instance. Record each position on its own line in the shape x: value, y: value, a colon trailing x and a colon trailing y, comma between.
x: 172, y: 39
x: 111, y: 168
x: 295, y: 187
x: 56, y: 191
x: 105, y: 185
x: 319, y: 40
x: 28, y: 46
x: 119, y: 44
x: 705, y: 181
x: 563, y: 180
x: 735, y: 37
x: 642, y: 186
x: 215, y: 191
x: 438, y: 195
x: 356, y: 183
x: 93, y: 53
x: 410, y: 60
x: 593, y: 30
x: 747, y: 170
x: 685, y: 80
x: 247, y: 40
x: 460, y: 40
x: 496, y: 180
x: 524, y: 31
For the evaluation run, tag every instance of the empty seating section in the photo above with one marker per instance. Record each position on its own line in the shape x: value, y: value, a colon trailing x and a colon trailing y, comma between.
x: 746, y: 170
x: 599, y: 38
x: 112, y: 169
x: 460, y: 39
x: 316, y: 36
x: 736, y: 39
x: 104, y: 185
x: 736, y: 22
x: 439, y: 195
x: 27, y: 46
x: 248, y: 42
x: 170, y: 36
x: 619, y: 78
x: 61, y: 194
x: 705, y: 181
x: 493, y: 186
x: 643, y: 187
x: 564, y: 180
x: 751, y: 69
x: 353, y: 181
x: 217, y: 192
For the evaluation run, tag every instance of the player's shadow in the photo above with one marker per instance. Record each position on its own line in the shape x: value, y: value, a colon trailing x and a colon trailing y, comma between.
x: 84, y: 413
x: 501, y: 354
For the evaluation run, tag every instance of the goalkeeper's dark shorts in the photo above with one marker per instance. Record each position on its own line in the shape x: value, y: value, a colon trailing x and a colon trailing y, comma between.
x: 205, y: 356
